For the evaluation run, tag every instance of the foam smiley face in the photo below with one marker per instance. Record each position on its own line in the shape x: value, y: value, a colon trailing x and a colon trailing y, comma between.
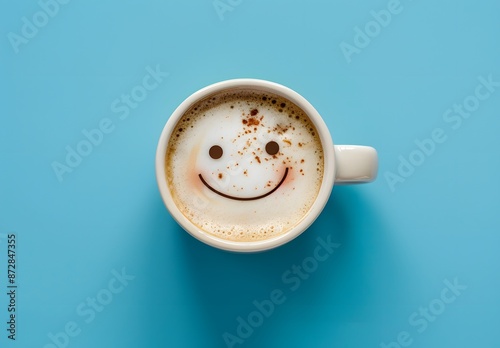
x: 245, y: 165
x: 272, y: 148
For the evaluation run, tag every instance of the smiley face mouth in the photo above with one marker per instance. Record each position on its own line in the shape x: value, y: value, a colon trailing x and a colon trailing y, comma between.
x: 246, y: 198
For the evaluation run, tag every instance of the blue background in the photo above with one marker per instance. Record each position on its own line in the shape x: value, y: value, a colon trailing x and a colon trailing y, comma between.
x: 397, y: 247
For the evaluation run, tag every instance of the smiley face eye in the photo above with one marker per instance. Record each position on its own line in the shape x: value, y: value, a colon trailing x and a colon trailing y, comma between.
x: 215, y: 152
x: 272, y: 148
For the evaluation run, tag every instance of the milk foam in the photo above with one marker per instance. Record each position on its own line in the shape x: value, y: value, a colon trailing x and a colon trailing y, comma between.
x: 218, y: 195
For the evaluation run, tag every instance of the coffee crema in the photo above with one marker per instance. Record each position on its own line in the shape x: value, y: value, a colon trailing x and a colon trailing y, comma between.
x: 244, y: 165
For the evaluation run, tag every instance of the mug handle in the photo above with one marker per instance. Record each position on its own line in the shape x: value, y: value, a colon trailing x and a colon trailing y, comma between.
x: 355, y: 164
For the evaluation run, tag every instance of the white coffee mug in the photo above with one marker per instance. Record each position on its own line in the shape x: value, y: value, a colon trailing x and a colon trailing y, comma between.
x: 343, y: 164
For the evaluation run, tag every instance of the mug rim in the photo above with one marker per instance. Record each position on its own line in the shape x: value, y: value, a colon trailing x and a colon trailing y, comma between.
x: 320, y: 201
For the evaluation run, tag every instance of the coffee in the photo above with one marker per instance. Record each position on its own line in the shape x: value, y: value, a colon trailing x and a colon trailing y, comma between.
x: 244, y: 165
